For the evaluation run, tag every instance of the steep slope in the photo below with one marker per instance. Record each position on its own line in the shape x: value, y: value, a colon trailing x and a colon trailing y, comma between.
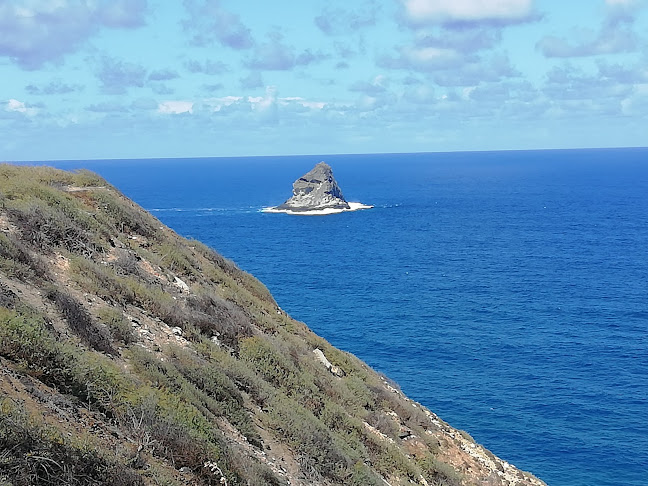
x: 129, y: 356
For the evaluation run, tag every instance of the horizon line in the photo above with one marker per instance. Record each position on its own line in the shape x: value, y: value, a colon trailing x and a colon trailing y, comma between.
x: 326, y: 155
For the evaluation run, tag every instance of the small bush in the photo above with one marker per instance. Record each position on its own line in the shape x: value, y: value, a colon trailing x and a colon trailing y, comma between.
x: 34, y: 456
x: 127, y: 263
x: 80, y: 322
x: 46, y: 228
x: 272, y: 365
x: 362, y: 475
x: 101, y: 280
x: 25, y: 340
x: 16, y: 261
x: 224, y: 397
x: 318, y: 452
x: 439, y: 473
x: 389, y: 460
x: 125, y: 215
x: 120, y: 328
x: 213, y: 316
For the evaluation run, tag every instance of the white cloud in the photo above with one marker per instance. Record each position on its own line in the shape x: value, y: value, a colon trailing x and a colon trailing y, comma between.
x: 637, y: 103
x: 33, y: 32
x: 20, y: 107
x: 266, y: 106
x: 434, y: 11
x: 175, y: 107
x: 298, y: 100
x: 422, y: 59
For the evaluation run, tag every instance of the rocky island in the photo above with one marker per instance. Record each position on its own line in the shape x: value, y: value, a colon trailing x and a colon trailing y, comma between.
x: 317, y: 192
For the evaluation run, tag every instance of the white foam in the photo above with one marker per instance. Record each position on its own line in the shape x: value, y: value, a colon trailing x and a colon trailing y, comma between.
x: 353, y: 206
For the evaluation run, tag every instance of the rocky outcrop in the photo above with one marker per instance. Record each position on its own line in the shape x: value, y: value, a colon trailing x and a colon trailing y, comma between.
x: 316, y: 190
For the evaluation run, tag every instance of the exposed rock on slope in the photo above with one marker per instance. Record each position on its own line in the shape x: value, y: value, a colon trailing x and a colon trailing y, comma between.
x: 316, y: 190
x: 131, y: 356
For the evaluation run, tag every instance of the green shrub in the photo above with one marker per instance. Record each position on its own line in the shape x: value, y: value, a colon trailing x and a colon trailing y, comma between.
x: 101, y: 382
x: 272, y: 365
x: 34, y: 456
x: 362, y: 475
x: 213, y: 316
x: 25, y: 340
x: 439, y: 473
x: 389, y: 460
x: 241, y: 373
x: 91, y: 377
x: 16, y: 261
x: 47, y: 227
x: 176, y: 258
x: 119, y: 327
x: 318, y: 451
x: 80, y: 321
x: 126, y: 216
x: 222, y: 397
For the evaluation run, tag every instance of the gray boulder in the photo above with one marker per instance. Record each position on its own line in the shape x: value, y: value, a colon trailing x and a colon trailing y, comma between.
x: 316, y: 190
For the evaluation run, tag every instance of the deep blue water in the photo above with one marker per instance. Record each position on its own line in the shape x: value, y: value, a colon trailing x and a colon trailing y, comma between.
x: 506, y: 291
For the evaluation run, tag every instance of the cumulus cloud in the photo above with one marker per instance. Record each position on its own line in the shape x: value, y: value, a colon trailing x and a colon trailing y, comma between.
x: 464, y: 40
x: 272, y: 55
x: 608, y: 41
x: 266, y: 107
x: 163, y: 75
x: 615, y: 36
x: 571, y: 83
x: 209, y: 22
x: 623, y: 74
x: 420, y: 94
x: 636, y: 104
x: 175, y: 107
x: 422, y: 59
x: 208, y: 67
x: 252, y: 80
x: 224, y: 104
x: 623, y: 9
x: 34, y: 32
x: 309, y: 57
x: 161, y: 89
x: 213, y: 87
x: 107, y: 107
x: 117, y: 76
x: 299, y: 104
x: 16, y: 106
x: 452, y: 12
x: 377, y: 86
x: 54, y: 87
x: 121, y: 13
x: 480, y: 70
x: 338, y: 21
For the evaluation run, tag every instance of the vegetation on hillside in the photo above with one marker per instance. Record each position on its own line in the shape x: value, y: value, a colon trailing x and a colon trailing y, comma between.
x: 129, y: 355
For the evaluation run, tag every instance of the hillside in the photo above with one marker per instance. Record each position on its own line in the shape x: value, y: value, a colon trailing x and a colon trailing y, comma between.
x: 132, y: 356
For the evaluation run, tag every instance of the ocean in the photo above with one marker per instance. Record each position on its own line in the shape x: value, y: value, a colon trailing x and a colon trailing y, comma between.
x: 505, y: 291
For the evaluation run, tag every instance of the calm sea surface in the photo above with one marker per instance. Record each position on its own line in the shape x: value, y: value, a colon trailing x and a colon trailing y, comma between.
x: 506, y: 291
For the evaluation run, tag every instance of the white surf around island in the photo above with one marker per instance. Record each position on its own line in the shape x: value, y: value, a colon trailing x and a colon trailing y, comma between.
x: 353, y: 206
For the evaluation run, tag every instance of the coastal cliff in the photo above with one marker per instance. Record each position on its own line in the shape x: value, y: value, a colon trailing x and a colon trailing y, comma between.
x: 130, y: 356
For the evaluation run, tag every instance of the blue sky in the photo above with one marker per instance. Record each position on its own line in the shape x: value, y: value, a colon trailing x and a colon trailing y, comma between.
x: 86, y: 79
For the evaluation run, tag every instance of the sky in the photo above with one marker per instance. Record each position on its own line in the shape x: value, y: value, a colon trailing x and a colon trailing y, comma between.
x: 96, y: 79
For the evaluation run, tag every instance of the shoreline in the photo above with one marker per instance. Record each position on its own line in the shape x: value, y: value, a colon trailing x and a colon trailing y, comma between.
x: 353, y: 206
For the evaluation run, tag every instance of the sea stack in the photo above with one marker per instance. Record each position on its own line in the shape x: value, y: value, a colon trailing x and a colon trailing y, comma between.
x: 315, y: 191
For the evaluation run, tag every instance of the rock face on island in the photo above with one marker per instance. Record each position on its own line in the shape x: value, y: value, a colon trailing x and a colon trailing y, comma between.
x: 316, y: 190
